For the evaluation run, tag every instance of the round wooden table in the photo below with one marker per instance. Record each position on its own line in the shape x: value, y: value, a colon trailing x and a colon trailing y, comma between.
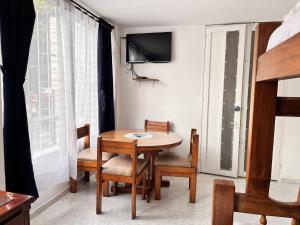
x: 157, y: 141
x: 149, y: 143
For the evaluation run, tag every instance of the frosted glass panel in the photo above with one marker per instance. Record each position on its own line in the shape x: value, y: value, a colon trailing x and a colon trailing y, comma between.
x: 229, y: 93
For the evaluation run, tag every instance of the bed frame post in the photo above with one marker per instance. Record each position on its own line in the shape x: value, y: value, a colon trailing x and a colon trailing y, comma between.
x: 262, y: 121
x: 223, y: 202
x: 297, y: 221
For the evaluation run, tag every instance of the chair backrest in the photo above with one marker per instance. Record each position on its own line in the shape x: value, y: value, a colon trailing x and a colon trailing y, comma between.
x: 195, y: 150
x: 193, y: 131
x: 157, y: 126
x: 117, y: 147
x: 84, y: 132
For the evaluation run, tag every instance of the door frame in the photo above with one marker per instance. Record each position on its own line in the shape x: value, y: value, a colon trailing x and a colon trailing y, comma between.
x: 245, y: 96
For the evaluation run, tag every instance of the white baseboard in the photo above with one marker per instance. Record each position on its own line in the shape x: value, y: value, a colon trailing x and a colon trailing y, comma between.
x: 290, y: 181
x: 52, y: 200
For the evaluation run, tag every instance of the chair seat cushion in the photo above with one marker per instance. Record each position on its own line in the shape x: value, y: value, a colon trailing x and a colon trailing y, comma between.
x: 122, y: 166
x: 170, y: 158
x: 91, y: 155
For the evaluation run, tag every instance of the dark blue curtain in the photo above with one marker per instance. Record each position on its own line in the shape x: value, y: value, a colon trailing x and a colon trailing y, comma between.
x: 16, y: 26
x: 105, y: 78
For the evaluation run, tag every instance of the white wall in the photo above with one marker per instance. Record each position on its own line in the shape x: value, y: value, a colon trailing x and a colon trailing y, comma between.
x: 177, y: 97
x: 289, y: 134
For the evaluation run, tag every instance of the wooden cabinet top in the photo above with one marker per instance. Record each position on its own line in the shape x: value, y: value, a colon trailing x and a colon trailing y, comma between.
x: 10, y: 201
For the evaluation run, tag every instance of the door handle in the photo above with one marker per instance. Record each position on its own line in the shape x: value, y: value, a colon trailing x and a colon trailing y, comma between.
x: 237, y: 108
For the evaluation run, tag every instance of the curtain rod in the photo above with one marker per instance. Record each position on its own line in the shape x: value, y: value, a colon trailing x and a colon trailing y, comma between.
x: 88, y: 12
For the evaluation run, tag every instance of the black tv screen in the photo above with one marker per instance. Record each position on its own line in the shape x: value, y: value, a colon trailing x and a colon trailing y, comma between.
x: 149, y: 47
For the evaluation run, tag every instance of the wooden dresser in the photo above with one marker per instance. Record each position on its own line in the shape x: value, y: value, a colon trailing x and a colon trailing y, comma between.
x: 14, y: 208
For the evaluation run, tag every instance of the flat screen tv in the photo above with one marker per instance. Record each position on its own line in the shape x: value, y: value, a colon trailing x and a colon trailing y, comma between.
x: 149, y: 47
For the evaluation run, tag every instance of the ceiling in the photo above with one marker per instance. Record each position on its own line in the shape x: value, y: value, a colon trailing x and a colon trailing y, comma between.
x: 189, y: 12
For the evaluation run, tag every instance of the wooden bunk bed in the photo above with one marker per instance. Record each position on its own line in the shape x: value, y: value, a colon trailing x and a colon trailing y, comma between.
x: 281, y: 62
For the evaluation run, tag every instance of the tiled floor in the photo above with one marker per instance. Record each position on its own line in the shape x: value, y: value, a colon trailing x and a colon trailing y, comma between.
x: 173, y: 208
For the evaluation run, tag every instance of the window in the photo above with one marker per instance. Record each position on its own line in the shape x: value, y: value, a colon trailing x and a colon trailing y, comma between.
x: 41, y: 84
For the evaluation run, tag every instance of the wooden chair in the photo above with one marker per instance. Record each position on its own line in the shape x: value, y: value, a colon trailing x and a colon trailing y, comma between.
x: 87, y: 159
x: 131, y: 170
x: 156, y: 126
x: 149, y: 126
x: 171, y: 164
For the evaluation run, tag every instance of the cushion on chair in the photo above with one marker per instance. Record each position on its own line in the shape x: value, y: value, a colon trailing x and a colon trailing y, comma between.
x: 122, y: 166
x: 170, y: 158
x: 91, y: 155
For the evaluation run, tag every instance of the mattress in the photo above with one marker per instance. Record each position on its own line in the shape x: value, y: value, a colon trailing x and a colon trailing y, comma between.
x: 288, y: 29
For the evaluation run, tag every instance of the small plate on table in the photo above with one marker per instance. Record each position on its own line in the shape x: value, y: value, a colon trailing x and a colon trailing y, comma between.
x: 138, y: 135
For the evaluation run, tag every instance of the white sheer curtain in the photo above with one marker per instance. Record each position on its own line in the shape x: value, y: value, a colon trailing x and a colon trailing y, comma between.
x: 85, y: 71
x: 61, y: 89
x: 50, y: 95
x: 66, y: 11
